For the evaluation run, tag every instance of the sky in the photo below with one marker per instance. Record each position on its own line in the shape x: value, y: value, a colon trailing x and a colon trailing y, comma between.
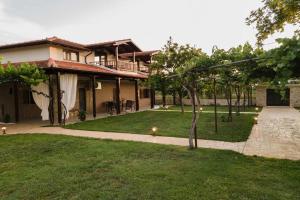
x: 149, y: 23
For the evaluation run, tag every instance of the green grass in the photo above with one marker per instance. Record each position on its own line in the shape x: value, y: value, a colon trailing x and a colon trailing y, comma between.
x: 211, y: 108
x: 172, y: 124
x: 64, y: 167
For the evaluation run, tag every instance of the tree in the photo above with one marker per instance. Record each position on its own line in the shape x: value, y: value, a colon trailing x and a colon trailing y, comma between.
x: 243, y: 70
x: 281, y: 64
x: 25, y: 73
x: 191, y: 73
x: 273, y: 16
x: 165, y: 63
x: 176, y: 64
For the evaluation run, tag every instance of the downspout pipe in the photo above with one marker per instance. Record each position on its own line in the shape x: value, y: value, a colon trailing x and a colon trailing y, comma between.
x: 85, y: 57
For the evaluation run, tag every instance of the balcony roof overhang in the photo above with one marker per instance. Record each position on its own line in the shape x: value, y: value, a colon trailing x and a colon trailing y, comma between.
x: 125, y: 46
x: 52, y: 65
x: 144, y: 55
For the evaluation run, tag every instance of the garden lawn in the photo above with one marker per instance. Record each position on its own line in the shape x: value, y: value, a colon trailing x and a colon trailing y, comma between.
x: 64, y: 167
x: 173, y: 124
x: 211, y: 108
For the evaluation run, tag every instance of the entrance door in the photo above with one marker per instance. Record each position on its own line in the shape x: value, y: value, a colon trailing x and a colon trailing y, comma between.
x: 275, y: 99
x: 82, y: 99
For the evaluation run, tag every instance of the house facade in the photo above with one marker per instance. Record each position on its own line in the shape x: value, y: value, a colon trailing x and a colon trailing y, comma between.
x: 95, y: 78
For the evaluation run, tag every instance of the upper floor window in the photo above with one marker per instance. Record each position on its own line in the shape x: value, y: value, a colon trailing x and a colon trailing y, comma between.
x: 71, y: 55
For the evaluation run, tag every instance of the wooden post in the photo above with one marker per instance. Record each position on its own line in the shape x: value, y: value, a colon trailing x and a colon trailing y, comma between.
x: 251, y: 93
x: 152, y: 93
x: 118, y: 102
x: 134, y: 66
x: 117, y: 56
x: 215, y: 102
x: 58, y: 91
x: 138, y: 66
x: 137, y: 97
x: 94, y: 96
x: 51, y: 106
x: 16, y: 98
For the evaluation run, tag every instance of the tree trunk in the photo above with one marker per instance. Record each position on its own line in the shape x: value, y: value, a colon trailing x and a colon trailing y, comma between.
x: 215, y: 105
x: 174, y: 97
x: 193, y: 129
x: 248, y: 97
x: 180, y: 100
x: 229, y: 102
x: 251, y: 93
x: 244, y: 100
x: 163, y: 94
x: 238, y: 98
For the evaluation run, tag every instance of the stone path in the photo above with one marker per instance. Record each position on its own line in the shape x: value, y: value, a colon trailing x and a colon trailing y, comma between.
x: 277, y: 134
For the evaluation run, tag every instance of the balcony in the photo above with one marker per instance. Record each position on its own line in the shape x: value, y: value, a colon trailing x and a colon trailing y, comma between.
x: 122, y: 66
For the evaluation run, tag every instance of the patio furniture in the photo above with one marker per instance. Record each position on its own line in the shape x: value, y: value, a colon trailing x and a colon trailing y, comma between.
x: 129, y: 105
x: 110, y: 107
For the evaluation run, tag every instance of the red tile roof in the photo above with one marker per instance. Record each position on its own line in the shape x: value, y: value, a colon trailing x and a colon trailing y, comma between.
x: 51, y: 40
x: 79, y: 67
x: 114, y: 43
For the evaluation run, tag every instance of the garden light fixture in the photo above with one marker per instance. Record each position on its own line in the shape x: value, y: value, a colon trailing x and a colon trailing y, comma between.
x: 3, y: 130
x: 255, y: 120
x: 154, y: 129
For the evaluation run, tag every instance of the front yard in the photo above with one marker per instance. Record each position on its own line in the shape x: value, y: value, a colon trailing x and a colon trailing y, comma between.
x: 63, y: 167
x: 172, y: 124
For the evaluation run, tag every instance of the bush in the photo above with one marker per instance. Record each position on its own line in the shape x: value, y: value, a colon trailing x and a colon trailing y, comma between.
x: 6, y: 118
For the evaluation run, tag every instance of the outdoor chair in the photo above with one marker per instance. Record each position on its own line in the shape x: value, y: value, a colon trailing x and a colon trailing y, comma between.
x: 129, y: 105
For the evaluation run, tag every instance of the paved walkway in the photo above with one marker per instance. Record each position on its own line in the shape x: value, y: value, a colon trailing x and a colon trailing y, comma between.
x: 204, y: 111
x: 276, y: 135
x: 234, y: 146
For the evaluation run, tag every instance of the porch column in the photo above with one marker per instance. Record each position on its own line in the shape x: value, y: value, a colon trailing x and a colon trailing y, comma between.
x: 51, y: 106
x: 118, y: 102
x: 137, y: 97
x: 94, y: 95
x: 16, y: 98
x: 59, y: 116
x: 117, y: 56
x: 133, y: 60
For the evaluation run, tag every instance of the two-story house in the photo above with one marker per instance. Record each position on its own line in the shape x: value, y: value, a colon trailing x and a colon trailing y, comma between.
x: 96, y: 78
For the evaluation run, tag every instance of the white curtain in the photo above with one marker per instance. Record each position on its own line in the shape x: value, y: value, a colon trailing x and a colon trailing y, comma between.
x: 40, y: 100
x: 68, y: 85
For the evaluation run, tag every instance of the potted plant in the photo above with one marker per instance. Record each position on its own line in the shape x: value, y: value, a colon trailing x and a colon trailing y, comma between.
x: 82, y: 115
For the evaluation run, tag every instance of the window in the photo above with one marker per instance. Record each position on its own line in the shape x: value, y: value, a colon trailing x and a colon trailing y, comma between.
x: 71, y: 55
x: 144, y: 93
x: 101, y: 59
x: 27, y: 97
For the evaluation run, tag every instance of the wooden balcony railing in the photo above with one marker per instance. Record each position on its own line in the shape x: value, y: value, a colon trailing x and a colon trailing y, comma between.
x: 122, y: 66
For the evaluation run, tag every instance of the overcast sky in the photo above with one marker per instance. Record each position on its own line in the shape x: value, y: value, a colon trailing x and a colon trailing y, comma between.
x: 149, y: 23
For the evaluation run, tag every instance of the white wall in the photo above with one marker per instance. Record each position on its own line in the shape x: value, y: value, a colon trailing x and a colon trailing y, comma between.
x: 57, y: 54
x: 25, y: 54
